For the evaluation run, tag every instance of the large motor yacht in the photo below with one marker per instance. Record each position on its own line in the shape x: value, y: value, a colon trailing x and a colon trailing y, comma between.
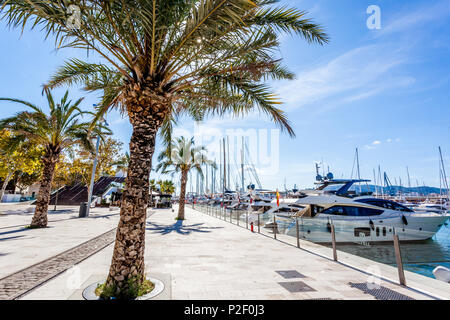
x: 356, y: 216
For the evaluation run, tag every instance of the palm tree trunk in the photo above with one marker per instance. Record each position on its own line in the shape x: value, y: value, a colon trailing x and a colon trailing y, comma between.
x: 184, y: 177
x: 126, y: 273
x: 40, y: 214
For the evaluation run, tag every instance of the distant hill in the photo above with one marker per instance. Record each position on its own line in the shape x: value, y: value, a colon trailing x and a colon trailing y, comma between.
x: 396, y: 189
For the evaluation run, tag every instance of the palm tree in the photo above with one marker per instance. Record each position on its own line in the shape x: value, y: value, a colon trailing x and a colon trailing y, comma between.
x: 54, y: 133
x: 160, y: 59
x: 182, y: 157
x: 122, y: 163
x: 167, y: 186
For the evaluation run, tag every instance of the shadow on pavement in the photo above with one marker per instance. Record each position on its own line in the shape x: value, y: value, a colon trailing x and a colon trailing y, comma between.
x: 10, y: 238
x: 178, y: 227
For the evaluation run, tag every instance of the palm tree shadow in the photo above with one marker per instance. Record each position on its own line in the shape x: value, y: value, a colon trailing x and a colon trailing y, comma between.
x: 179, y: 228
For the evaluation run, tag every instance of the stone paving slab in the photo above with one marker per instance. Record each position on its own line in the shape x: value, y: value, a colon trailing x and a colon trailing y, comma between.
x: 21, y: 247
x: 211, y: 259
x: 19, y: 283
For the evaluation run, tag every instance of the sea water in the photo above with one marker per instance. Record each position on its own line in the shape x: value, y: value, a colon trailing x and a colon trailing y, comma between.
x: 419, y: 256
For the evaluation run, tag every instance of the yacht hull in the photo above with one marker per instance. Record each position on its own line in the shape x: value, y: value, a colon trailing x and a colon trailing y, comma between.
x: 362, y: 231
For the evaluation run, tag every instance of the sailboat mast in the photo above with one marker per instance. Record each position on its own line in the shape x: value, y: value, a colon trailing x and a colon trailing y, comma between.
x: 444, y: 175
x: 357, y: 165
x: 242, y: 165
x: 375, y: 183
x: 409, y: 178
x: 228, y: 162
x: 224, y: 171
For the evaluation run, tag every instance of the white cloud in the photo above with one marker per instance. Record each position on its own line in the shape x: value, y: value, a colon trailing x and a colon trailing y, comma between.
x: 354, y: 75
x: 416, y: 19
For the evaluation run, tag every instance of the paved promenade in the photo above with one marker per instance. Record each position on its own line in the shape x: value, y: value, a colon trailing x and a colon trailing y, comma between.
x: 200, y: 258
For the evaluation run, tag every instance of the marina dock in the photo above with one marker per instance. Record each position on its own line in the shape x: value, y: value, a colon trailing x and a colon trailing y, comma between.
x: 202, y: 257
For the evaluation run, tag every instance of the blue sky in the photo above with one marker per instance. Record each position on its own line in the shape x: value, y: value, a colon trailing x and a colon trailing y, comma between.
x: 384, y: 91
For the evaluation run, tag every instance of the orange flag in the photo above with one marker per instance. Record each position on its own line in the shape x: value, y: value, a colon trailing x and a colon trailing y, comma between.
x: 278, y: 199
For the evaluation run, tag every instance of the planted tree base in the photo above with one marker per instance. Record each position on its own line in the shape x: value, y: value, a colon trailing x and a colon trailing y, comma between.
x: 35, y: 227
x: 146, y: 287
x: 149, y: 289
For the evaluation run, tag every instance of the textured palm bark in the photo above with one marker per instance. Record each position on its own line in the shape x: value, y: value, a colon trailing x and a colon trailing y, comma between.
x: 127, y: 270
x: 184, y: 177
x: 40, y: 214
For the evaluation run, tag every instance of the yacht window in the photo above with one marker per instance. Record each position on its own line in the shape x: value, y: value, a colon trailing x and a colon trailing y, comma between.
x: 283, y: 210
x: 352, y: 211
x: 385, y: 204
x: 365, y: 212
x: 339, y: 211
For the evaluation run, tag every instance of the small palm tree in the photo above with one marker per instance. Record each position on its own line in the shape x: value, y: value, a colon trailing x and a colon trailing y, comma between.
x: 161, y: 59
x: 167, y: 186
x: 122, y: 163
x: 182, y: 157
x: 54, y: 133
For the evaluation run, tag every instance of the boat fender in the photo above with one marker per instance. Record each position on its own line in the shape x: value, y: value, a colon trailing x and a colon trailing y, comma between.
x: 329, y: 227
x: 372, y: 226
x: 405, y: 222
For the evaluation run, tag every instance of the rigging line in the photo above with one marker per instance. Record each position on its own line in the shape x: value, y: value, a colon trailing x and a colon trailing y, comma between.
x: 353, y: 167
x: 252, y: 168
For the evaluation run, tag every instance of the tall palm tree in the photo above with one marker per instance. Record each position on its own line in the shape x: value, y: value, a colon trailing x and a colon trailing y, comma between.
x: 182, y: 157
x: 54, y: 132
x: 160, y: 59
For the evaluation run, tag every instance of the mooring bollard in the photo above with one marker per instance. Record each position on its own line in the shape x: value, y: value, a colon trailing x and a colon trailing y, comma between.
x: 333, y: 240
x: 398, y: 257
x: 296, y: 229
x: 274, y: 227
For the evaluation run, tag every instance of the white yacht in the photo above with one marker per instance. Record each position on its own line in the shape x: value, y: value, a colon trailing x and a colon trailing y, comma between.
x: 357, y: 217
x: 433, y: 207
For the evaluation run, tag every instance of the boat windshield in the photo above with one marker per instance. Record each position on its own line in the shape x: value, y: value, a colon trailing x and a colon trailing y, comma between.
x: 332, y: 188
x: 385, y: 204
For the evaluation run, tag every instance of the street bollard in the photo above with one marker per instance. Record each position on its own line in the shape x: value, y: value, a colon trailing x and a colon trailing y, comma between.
x: 251, y: 226
x: 398, y: 257
x: 296, y: 229
x: 274, y: 227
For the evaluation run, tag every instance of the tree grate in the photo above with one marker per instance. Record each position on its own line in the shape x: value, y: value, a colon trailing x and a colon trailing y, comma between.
x: 290, y: 274
x: 296, y: 286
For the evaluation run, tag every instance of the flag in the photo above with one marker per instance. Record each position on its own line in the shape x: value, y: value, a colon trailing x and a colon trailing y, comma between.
x: 278, y: 198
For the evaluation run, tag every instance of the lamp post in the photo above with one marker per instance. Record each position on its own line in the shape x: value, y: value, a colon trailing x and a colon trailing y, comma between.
x: 94, y: 167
